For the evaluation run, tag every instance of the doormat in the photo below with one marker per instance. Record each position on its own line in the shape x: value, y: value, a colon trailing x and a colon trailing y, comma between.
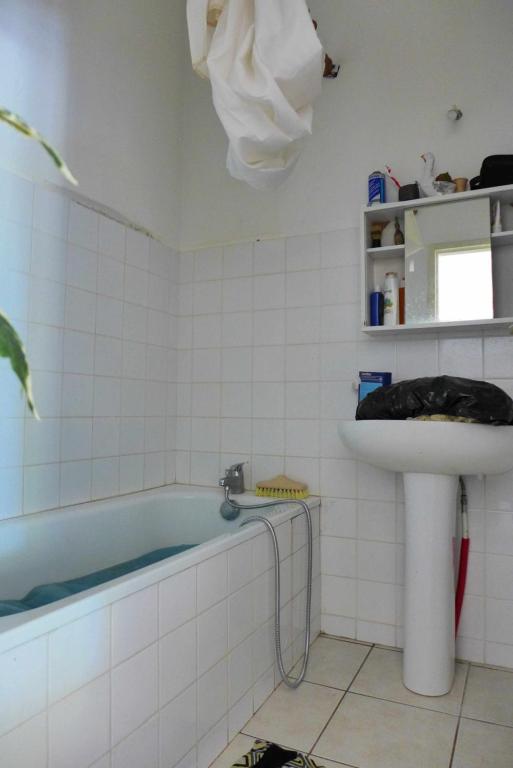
x: 265, y: 754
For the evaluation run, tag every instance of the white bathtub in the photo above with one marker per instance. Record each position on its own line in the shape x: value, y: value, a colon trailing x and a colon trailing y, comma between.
x: 170, y: 659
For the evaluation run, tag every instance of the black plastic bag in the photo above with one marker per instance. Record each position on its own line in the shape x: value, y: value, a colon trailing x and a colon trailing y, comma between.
x: 447, y: 395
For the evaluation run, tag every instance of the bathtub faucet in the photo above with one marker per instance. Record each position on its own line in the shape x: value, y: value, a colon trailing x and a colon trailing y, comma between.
x: 233, y: 481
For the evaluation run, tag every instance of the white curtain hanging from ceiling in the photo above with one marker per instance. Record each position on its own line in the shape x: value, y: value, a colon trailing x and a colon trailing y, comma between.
x: 265, y: 64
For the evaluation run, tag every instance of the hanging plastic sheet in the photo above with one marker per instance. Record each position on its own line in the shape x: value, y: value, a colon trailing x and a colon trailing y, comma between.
x: 265, y: 63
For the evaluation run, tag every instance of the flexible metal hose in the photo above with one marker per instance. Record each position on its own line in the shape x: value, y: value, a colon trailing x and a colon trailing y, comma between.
x: 290, y: 682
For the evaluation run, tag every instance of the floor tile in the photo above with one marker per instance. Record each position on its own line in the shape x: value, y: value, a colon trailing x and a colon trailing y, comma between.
x: 294, y: 718
x: 321, y: 762
x: 334, y: 662
x: 235, y: 749
x: 481, y: 745
x: 381, y: 676
x: 371, y: 733
x: 489, y: 696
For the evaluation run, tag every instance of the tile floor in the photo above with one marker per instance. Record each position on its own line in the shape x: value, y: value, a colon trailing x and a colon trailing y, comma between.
x: 352, y: 710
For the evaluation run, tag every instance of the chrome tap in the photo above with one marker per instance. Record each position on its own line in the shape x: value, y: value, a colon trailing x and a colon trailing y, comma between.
x: 233, y: 481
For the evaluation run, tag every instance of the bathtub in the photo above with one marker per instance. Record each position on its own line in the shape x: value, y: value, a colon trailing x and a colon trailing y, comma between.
x: 161, y: 666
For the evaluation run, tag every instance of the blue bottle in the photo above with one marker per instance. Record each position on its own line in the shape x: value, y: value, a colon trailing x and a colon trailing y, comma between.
x: 376, y: 306
x: 376, y: 188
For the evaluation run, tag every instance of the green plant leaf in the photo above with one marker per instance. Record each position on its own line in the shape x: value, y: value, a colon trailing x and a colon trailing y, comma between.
x: 11, y: 347
x: 17, y: 122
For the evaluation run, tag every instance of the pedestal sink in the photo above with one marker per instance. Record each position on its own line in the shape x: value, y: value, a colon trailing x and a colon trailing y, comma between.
x: 431, y: 456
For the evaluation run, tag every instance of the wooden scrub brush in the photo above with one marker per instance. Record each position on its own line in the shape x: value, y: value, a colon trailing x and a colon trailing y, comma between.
x: 282, y: 487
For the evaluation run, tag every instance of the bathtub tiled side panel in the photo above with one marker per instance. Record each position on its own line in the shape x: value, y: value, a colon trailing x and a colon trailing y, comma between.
x: 171, y: 672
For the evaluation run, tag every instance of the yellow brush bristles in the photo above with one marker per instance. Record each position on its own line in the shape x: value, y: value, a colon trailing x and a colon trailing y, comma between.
x: 282, y: 487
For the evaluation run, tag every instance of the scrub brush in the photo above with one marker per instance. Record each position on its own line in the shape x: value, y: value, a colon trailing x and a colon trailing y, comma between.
x: 282, y: 487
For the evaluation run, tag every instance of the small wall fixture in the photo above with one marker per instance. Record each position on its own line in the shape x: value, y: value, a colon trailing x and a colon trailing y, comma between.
x: 454, y: 113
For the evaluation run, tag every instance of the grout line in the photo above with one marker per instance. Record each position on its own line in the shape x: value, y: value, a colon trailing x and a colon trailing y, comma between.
x: 465, y: 683
x: 341, y: 700
x: 486, y: 722
x: 404, y: 704
x: 456, y: 732
x: 453, y: 750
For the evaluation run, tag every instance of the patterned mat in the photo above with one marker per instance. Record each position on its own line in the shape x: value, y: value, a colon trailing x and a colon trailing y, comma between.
x: 269, y: 755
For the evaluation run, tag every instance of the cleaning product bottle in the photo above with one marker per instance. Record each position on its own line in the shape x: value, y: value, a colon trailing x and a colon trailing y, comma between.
x: 391, y: 299
x: 376, y: 306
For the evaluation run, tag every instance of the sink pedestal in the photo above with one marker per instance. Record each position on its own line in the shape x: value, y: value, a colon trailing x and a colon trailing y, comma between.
x: 431, y: 455
x: 429, y: 644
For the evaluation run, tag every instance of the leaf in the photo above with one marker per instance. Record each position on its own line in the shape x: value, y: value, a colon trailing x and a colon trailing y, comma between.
x: 11, y: 347
x: 17, y: 122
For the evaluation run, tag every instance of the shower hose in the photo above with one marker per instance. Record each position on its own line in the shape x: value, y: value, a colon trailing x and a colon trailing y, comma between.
x: 289, y: 681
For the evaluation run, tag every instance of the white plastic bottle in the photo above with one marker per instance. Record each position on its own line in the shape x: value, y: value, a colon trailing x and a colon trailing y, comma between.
x: 391, y: 299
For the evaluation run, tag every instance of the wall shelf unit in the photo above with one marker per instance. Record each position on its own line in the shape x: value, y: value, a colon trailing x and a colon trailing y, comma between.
x: 376, y: 262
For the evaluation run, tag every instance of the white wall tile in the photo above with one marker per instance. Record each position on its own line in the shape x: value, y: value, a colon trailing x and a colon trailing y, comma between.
x: 238, y: 260
x: 75, y: 482
x: 207, y: 297
x: 80, y: 310
x: 338, y: 557
x: 208, y: 264
x: 134, y: 692
x: 77, y: 653
x: 51, y: 212
x: 134, y: 623
x: 303, y: 252
x: 78, y: 352
x: 177, y: 661
x: 339, y: 596
x: 83, y: 226
x: 26, y: 745
x: 23, y: 683
x: 178, y: 727
x: 212, y: 581
x: 212, y: 636
x: 140, y: 749
x: 268, y: 327
x: 81, y: 268
x: 77, y: 395
x: 105, y: 478
x: 111, y: 238
x: 78, y: 726
x: 131, y: 473
x: 137, y: 249
x: 212, y: 697
x: 177, y: 600
x: 41, y: 485
x: 48, y: 258
x: 269, y: 257
x: 42, y: 441
x: 76, y: 439
x: 340, y: 247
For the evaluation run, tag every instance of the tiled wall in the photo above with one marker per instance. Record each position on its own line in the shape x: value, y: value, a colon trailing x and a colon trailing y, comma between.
x: 166, y: 676
x: 268, y: 348
x: 94, y: 302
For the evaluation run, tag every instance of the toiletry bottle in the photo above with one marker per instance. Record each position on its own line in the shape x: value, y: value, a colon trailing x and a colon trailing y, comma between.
x: 376, y: 188
x: 391, y: 299
x: 376, y: 306
x: 398, y: 235
x: 402, y: 286
x: 497, y: 224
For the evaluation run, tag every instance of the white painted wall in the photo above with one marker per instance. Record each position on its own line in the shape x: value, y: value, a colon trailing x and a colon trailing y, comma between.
x: 404, y: 64
x: 102, y: 80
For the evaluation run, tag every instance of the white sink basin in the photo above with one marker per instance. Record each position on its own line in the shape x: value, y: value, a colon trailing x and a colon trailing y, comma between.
x: 440, y: 447
x: 431, y: 455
